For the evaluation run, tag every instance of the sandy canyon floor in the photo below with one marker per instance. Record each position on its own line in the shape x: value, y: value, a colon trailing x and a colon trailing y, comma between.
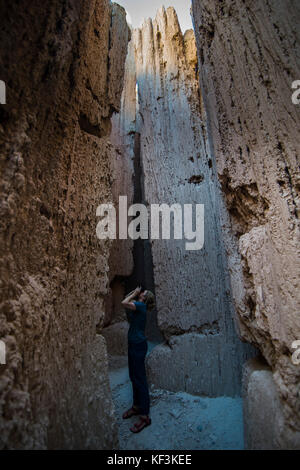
x: 180, y: 421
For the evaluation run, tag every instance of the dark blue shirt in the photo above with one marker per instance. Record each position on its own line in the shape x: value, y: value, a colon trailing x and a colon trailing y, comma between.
x: 137, y: 319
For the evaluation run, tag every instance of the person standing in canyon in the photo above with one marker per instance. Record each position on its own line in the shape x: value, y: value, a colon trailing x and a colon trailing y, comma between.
x: 137, y: 350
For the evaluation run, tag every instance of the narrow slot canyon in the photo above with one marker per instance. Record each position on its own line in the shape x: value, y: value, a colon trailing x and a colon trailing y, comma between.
x: 200, y: 353
x: 100, y: 112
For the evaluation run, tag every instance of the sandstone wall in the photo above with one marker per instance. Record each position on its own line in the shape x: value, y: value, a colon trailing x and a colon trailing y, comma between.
x: 265, y: 426
x: 122, y: 170
x: 121, y: 262
x: 202, y: 354
x: 130, y: 261
x: 249, y: 55
x: 63, y: 64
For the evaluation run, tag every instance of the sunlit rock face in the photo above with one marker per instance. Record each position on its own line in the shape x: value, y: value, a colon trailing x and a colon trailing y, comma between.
x: 63, y: 63
x: 203, y: 353
x: 249, y: 56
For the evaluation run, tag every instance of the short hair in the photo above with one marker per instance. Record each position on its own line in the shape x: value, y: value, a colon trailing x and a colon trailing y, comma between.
x: 149, y: 299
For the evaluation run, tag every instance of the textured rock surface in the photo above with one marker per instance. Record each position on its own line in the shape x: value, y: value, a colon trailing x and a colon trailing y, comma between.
x: 63, y: 64
x: 264, y: 421
x: 249, y: 55
x: 122, y: 169
x: 192, y: 291
x: 197, y: 363
x: 116, y: 338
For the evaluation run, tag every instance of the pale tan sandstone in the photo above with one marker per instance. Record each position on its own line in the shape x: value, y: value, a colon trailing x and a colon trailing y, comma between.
x: 63, y: 64
x: 249, y: 55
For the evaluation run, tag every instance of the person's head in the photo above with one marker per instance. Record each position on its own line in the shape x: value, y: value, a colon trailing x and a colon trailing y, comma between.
x: 147, y: 297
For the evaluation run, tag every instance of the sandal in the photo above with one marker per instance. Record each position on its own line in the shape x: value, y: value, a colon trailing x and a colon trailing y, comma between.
x: 131, y: 412
x: 143, y: 423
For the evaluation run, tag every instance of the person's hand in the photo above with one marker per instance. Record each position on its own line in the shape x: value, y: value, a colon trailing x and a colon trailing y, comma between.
x: 137, y: 290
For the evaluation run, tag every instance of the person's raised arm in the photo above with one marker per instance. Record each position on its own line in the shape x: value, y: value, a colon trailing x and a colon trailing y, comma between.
x: 128, y: 301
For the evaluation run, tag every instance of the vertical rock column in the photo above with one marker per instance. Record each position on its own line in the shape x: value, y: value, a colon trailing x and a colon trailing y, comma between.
x: 121, y: 263
x: 202, y: 353
x: 249, y: 56
x: 130, y: 261
x: 63, y: 64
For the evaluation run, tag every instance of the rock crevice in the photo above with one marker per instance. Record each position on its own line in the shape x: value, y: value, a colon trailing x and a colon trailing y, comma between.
x: 193, y: 305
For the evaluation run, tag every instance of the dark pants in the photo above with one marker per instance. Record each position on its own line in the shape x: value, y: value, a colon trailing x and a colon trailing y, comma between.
x: 137, y: 373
